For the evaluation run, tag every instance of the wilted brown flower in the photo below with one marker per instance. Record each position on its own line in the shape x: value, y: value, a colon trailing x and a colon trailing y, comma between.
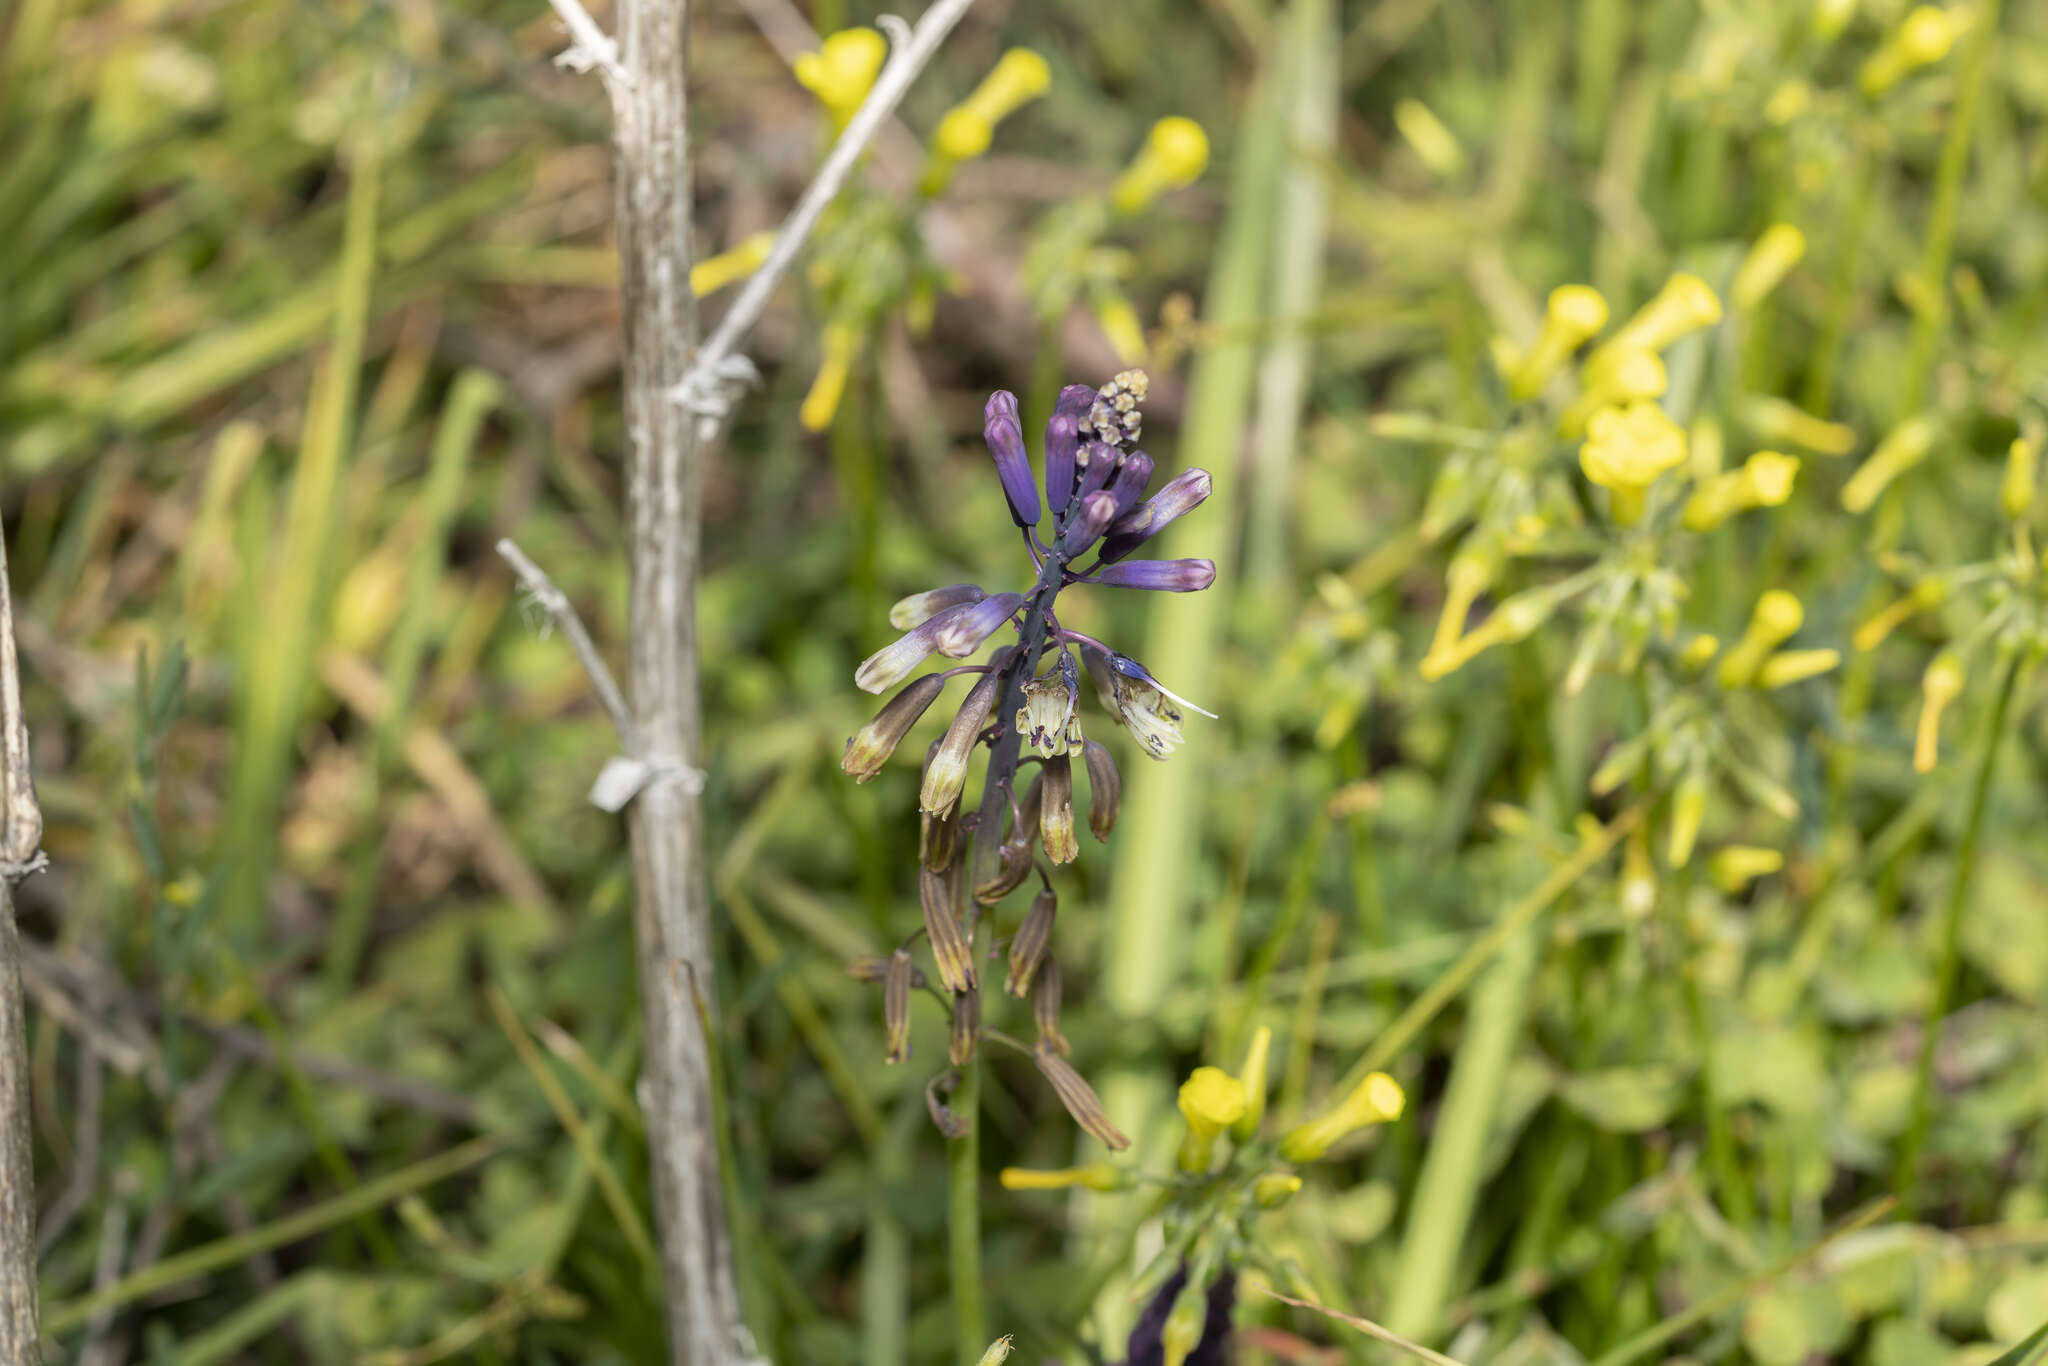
x: 1079, y: 1097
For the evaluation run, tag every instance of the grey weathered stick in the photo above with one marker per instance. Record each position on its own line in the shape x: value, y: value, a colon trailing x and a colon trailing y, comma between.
x: 664, y: 481
x: 20, y: 839
x: 704, y: 385
x: 556, y: 604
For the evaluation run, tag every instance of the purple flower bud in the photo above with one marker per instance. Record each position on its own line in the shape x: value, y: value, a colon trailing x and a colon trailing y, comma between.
x: 1167, y: 576
x: 1006, y: 446
x: 891, y: 664
x: 1097, y: 510
x: 919, y: 608
x: 965, y: 630
x: 1184, y: 492
x: 1062, y: 435
x: 1131, y: 478
x: 1096, y: 467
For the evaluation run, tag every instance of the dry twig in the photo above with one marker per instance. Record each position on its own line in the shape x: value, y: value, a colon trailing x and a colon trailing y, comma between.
x: 20, y: 854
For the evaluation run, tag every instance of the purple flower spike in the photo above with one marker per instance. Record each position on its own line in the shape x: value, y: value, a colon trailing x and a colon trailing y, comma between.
x: 1006, y: 446
x: 1062, y: 436
x: 1097, y: 510
x: 965, y: 630
x: 1130, y: 480
x: 1183, y: 493
x: 1166, y: 576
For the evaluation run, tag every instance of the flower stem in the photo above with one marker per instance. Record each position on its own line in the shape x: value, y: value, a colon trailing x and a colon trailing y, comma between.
x: 963, y: 1154
x: 1947, y: 965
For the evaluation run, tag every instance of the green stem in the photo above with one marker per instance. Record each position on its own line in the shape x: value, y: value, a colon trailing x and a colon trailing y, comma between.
x: 1947, y: 965
x: 1941, y: 218
x: 1736, y: 1202
x: 963, y: 1219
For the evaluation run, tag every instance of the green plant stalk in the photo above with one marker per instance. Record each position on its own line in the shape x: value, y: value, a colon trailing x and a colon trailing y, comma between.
x: 1161, y: 812
x: 1453, y: 980
x: 1297, y: 267
x: 469, y: 403
x: 1941, y: 217
x: 885, y: 1252
x: 1948, y: 965
x: 1736, y: 1200
x: 1448, y: 1189
x: 963, y: 1215
x: 371, y: 1195
x: 278, y: 659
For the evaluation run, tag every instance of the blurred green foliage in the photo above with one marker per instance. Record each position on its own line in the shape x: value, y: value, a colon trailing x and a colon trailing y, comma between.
x: 303, y: 305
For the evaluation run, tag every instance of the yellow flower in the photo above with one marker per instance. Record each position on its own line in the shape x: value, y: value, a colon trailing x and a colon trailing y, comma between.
x: 1738, y: 865
x: 1923, y: 596
x: 1791, y: 666
x: 844, y: 71
x: 1939, y: 686
x: 1211, y: 1100
x: 1274, y: 1189
x: 2016, y: 490
x: 1376, y: 1100
x: 841, y: 343
x: 1095, y: 1176
x: 1903, y: 448
x: 966, y: 130
x: 714, y: 273
x: 1765, y: 480
x: 1777, y: 615
x: 1613, y: 378
x: 1175, y: 154
x: 1779, y: 420
x: 1923, y: 39
x: 1435, y: 145
x: 1770, y: 259
x: 1685, y: 305
x: 1626, y: 449
x: 1572, y: 315
x: 1688, y: 808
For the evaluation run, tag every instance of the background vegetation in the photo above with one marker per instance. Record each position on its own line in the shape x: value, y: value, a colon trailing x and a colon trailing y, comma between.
x: 303, y: 305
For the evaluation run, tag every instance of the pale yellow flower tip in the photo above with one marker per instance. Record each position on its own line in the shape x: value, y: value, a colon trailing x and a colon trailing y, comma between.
x: 1792, y: 666
x: 962, y: 135
x: 1275, y: 1189
x: 1738, y: 865
x: 1018, y: 77
x: 2016, y: 490
x: 1211, y: 1100
x: 1769, y: 475
x: 1098, y: 1176
x: 1435, y: 146
x: 1903, y: 448
x: 1924, y: 38
x: 1176, y: 153
x: 1699, y: 651
x: 1777, y: 615
x: 1253, y: 1075
x: 844, y: 70
x: 841, y: 342
x: 1626, y: 449
x: 998, y: 1352
x: 1574, y: 313
x: 1770, y: 259
x: 714, y: 273
x: 1685, y: 304
x: 1939, y: 686
x: 1376, y: 1100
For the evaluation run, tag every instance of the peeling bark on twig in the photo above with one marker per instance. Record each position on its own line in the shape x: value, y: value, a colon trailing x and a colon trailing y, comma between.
x: 20, y: 841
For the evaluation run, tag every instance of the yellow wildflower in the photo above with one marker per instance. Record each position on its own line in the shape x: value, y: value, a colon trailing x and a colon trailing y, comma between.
x: 1626, y: 449
x: 1175, y: 154
x: 1211, y: 1100
x: 1376, y: 1100
x: 843, y: 72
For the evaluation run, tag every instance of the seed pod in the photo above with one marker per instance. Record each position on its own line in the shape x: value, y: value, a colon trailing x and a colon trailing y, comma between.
x: 896, y: 1005
x: 1045, y: 1005
x: 1056, y: 815
x: 872, y: 745
x: 1105, y: 789
x: 1013, y: 865
x: 950, y: 949
x: 1078, y: 1097
x: 868, y: 968
x: 943, y: 1117
x: 966, y: 1027
x: 938, y: 837
x: 946, y: 773
x: 1028, y: 945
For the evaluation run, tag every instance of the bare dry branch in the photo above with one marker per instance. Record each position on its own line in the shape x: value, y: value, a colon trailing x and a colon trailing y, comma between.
x: 20, y: 854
